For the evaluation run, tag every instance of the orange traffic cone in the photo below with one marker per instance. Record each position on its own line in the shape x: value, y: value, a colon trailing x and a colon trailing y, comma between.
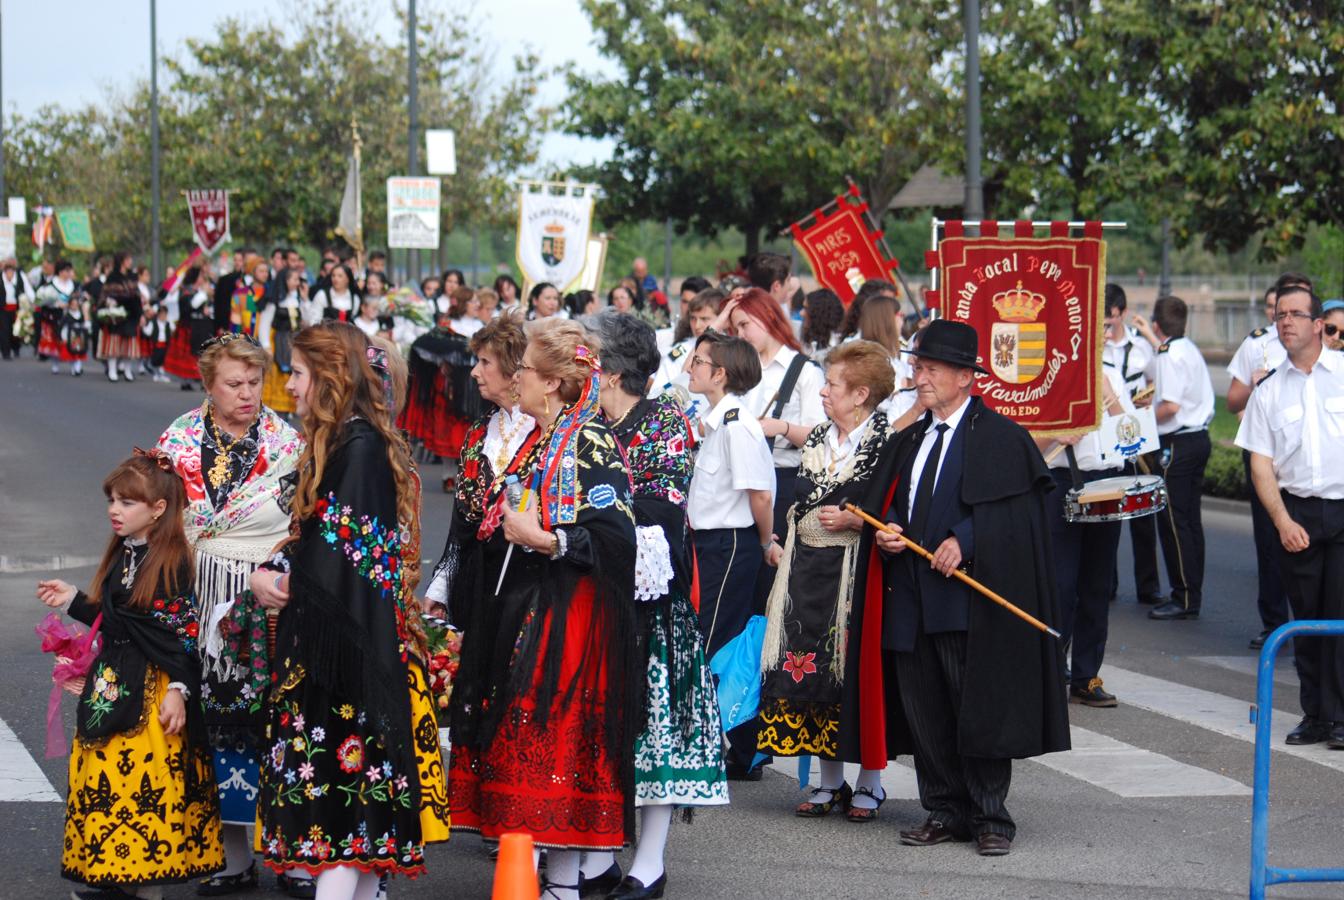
x: 515, y: 873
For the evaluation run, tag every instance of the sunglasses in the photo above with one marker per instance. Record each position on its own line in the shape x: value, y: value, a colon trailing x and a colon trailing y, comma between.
x: 1332, y: 330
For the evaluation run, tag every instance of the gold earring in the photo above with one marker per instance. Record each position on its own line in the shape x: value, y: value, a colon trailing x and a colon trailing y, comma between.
x: 548, y: 406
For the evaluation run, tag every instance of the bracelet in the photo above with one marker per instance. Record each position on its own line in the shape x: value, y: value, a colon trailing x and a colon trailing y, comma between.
x: 559, y: 544
x: 180, y: 688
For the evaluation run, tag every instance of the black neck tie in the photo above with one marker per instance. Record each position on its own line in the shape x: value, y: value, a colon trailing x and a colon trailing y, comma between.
x: 924, y: 492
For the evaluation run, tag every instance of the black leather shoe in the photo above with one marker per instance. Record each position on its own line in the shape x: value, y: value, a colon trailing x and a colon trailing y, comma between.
x: 1151, y: 599
x: 299, y: 888
x: 989, y: 844
x: 632, y: 888
x: 1092, y: 695
x: 1172, y: 610
x: 600, y: 885
x: 1259, y: 640
x: 219, y: 885
x: 930, y: 833
x: 1308, y: 731
x: 736, y: 772
x: 1336, y: 739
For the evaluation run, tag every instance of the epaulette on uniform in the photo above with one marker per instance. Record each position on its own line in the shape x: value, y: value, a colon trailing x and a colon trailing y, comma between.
x: 730, y: 416
x: 1165, y: 347
x: 677, y: 352
x: 1260, y: 332
x: 1266, y: 378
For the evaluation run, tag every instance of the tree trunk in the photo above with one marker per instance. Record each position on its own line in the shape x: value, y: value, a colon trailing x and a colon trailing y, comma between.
x: 753, y: 236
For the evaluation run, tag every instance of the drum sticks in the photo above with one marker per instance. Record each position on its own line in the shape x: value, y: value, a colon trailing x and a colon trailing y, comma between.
x: 957, y: 573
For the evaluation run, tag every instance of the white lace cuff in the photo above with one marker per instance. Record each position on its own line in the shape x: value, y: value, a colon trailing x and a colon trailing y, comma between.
x: 653, y: 563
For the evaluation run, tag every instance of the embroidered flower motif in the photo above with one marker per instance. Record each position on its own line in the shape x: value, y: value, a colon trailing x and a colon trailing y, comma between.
x: 799, y: 664
x: 351, y: 754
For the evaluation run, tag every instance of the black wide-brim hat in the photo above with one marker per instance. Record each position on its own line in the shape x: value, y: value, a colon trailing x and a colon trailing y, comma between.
x: 949, y: 342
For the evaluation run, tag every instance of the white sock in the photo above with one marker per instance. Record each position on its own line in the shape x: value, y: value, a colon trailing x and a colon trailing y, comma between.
x: 830, y: 775
x: 367, y: 889
x: 654, y: 823
x: 562, y: 868
x: 148, y: 893
x: 594, y: 864
x: 872, y: 780
x: 237, y: 849
x: 339, y: 883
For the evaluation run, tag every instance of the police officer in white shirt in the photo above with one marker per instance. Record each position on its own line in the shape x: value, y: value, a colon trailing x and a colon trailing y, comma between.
x: 1183, y: 405
x: 729, y: 507
x: 1294, y: 430
x: 1129, y: 353
x: 1084, y: 552
x: 1259, y: 354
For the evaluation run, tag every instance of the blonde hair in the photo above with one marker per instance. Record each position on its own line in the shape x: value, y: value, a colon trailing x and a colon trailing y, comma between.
x: 345, y: 385
x: 234, y: 347
x: 557, y: 342
x: 867, y: 364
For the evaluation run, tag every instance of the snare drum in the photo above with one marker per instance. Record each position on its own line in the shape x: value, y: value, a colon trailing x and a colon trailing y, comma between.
x: 1116, y: 499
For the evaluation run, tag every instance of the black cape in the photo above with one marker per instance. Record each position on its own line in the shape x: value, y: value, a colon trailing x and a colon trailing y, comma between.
x: 1013, y: 699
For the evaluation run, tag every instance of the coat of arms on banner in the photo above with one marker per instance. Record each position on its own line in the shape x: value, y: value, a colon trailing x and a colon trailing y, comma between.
x: 553, y: 244
x: 209, y: 218
x: 1035, y: 304
x: 1017, y: 340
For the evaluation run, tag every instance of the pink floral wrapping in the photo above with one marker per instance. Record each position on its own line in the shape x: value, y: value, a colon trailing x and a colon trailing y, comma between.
x: 75, y: 651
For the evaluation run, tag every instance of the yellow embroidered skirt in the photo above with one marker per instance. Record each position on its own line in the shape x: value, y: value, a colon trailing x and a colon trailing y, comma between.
x: 130, y: 818
x: 273, y: 393
x: 796, y: 729
x: 434, y: 819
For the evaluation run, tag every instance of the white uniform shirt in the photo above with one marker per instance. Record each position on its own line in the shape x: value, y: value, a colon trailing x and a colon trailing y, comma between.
x: 926, y: 447
x: 899, y: 403
x: 733, y: 459
x: 1296, y: 418
x: 1183, y: 379
x: 1131, y: 358
x: 1087, y: 452
x: 1260, y: 350
x: 802, y: 408
x: 671, y: 377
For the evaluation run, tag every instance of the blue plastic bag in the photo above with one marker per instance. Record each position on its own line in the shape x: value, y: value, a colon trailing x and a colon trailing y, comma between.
x: 738, y: 668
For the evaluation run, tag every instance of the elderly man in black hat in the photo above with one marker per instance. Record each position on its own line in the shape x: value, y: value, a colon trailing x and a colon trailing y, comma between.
x: 978, y: 687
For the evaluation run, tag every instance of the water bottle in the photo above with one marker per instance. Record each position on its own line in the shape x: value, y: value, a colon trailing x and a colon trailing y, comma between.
x: 513, y: 492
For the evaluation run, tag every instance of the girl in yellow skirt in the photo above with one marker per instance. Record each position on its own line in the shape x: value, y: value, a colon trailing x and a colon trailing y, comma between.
x: 142, y: 806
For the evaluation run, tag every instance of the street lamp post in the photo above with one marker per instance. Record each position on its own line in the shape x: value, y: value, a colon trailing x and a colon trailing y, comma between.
x: 156, y: 250
x: 413, y: 261
x: 974, y: 209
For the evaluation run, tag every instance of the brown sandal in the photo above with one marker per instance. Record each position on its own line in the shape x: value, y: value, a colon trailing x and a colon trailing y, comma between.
x: 839, y: 796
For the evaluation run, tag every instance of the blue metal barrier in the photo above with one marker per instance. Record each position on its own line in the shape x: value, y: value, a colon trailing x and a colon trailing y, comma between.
x: 1262, y: 873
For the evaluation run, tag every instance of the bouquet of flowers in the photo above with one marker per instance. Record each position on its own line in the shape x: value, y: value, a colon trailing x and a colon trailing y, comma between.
x: 23, y: 321
x: 445, y: 647
x: 48, y: 296
x: 407, y: 304
x: 112, y: 313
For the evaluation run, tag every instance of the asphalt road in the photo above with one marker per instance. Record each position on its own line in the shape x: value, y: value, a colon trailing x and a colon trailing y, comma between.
x: 1155, y: 803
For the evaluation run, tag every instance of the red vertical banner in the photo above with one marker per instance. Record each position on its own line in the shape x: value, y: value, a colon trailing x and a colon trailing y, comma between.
x: 841, y: 248
x: 1036, y: 306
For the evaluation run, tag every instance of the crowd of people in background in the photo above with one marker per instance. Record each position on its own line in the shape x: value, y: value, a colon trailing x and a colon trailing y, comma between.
x: 674, y: 467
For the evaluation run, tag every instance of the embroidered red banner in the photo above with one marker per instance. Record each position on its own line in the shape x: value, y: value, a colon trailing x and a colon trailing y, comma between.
x: 209, y: 218
x: 1036, y: 306
x: 841, y: 247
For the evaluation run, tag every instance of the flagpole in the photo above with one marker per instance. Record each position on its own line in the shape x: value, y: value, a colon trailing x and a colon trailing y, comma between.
x: 412, y: 93
x: 155, y: 234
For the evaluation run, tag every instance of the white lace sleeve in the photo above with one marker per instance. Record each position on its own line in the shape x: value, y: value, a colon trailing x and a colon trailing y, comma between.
x: 653, y: 563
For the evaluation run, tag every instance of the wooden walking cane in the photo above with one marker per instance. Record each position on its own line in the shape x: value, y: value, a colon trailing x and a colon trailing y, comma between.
x: 957, y: 573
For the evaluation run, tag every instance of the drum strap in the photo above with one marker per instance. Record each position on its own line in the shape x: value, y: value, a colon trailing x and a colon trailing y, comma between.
x: 1074, y: 472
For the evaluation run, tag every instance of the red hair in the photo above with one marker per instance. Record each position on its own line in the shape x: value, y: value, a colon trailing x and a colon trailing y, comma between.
x: 760, y: 306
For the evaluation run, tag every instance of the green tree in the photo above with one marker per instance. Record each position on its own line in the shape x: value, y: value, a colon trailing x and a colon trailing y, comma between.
x: 749, y: 115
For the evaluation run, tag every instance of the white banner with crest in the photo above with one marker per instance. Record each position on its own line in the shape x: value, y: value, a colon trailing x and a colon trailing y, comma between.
x: 554, y: 220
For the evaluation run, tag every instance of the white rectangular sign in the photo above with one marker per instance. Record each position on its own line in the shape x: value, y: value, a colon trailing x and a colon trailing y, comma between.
x: 440, y: 152
x: 7, y: 247
x: 413, y: 213
x: 18, y: 210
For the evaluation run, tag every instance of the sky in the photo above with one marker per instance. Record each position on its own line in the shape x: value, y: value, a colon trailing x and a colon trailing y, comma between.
x: 60, y: 51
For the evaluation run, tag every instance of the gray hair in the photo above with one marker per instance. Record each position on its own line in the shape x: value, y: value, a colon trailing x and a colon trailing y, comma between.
x: 629, y: 349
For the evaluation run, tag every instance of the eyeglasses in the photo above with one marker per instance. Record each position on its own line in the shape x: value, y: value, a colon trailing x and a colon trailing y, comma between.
x: 1332, y: 330
x: 1293, y: 314
x: 701, y: 361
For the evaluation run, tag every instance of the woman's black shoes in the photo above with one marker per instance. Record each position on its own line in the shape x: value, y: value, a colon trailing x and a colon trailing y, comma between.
x: 219, y: 885
x: 840, y: 796
x: 600, y: 885
x: 632, y: 888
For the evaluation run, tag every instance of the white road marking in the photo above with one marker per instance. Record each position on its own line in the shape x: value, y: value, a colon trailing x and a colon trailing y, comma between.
x: 21, y: 779
x: 1215, y: 712
x: 1130, y: 771
x: 10, y: 565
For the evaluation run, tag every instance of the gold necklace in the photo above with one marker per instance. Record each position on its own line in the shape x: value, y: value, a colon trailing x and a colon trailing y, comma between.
x: 219, y: 471
x: 502, y: 457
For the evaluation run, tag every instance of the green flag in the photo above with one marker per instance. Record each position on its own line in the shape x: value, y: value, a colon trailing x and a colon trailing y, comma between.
x: 76, y: 229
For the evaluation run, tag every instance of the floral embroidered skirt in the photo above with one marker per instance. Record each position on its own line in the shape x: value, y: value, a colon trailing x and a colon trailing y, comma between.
x: 330, y: 796
x: 790, y: 728
x: 679, y: 754
x: 550, y: 782
x: 130, y: 816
